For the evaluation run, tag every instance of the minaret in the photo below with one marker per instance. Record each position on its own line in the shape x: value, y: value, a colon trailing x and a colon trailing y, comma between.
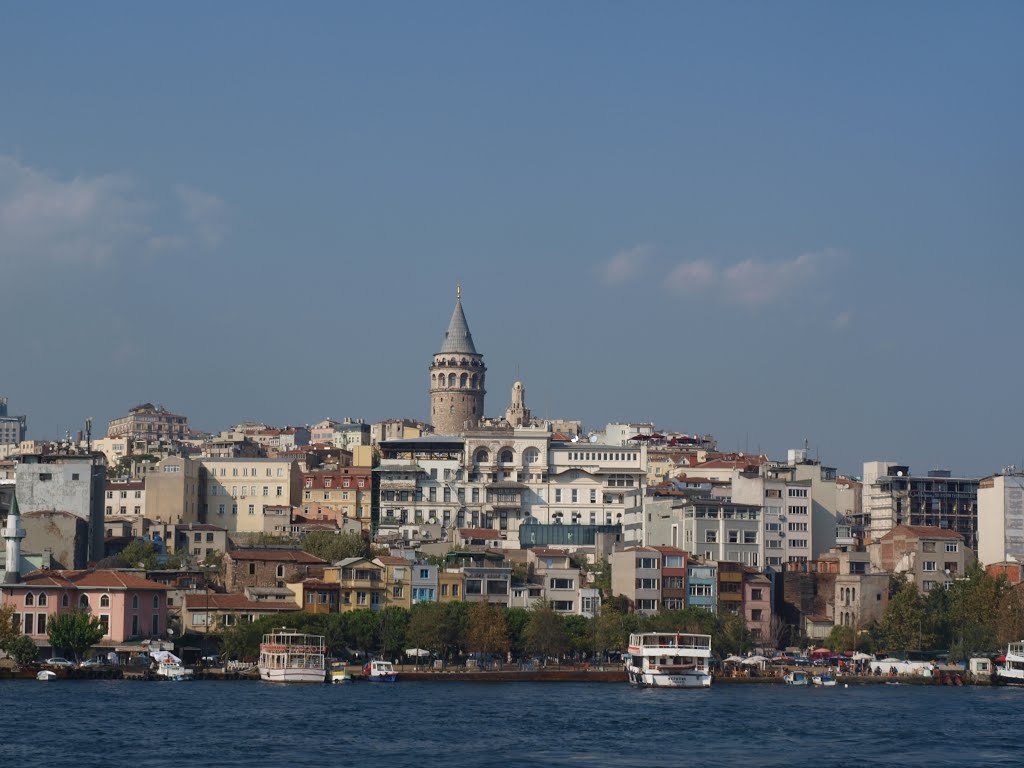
x: 12, y: 535
x: 457, y: 378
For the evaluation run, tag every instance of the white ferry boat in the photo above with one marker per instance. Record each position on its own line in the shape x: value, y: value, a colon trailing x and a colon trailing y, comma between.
x: 378, y: 671
x: 1012, y: 670
x: 669, y: 660
x: 287, y: 656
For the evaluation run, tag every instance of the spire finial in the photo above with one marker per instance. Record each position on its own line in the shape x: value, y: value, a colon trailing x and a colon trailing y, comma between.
x: 458, y: 291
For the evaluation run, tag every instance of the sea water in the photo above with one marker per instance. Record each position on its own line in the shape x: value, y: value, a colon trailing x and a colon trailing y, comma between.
x: 81, y: 724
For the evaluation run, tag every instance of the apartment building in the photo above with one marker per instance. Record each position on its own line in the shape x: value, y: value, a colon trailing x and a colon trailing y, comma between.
x: 172, y: 491
x: 1001, y: 518
x: 149, y: 422
x: 931, y: 556
x: 341, y: 492
x: 787, y: 505
x: 653, y: 578
x: 235, y: 493
x: 125, y: 498
x: 12, y: 428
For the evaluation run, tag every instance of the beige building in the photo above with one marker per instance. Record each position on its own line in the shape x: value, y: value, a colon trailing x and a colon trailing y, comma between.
x: 234, y: 493
x: 172, y: 491
x: 149, y: 422
x: 125, y: 498
x: 1001, y: 518
x: 931, y: 556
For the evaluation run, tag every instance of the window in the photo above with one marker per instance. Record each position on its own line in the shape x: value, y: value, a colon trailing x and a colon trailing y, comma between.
x: 575, y: 495
x: 156, y: 623
x: 802, y: 510
x: 252, y: 569
x: 444, y: 590
x: 734, y: 537
x: 474, y: 587
x: 42, y: 599
x: 647, y: 562
x: 647, y: 605
x: 593, y: 496
x: 797, y: 526
x: 41, y: 623
x: 929, y: 566
x: 558, y: 495
x: 750, y: 537
x: 424, y: 573
x: 673, y: 561
x: 646, y: 583
x: 710, y: 537
x: 756, y: 594
x: 561, y: 584
x: 701, y: 590
x: 252, y: 509
x: 156, y: 602
x: 928, y: 586
x: 30, y: 599
x: 105, y: 623
x: 397, y: 591
x: 798, y: 543
x: 798, y: 493
x: 952, y: 547
x: 755, y: 614
x: 64, y: 600
x: 83, y: 602
x: 280, y: 571
x: 563, y: 606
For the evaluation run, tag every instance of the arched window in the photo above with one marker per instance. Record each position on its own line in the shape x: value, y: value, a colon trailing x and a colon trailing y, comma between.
x: 451, y: 379
x: 531, y: 456
x: 853, y: 593
x: 280, y: 571
x: 30, y: 599
x: 64, y: 601
x: 481, y: 457
x: 156, y: 602
x: 505, y: 457
x: 83, y: 601
x: 135, y: 602
x: 463, y: 380
x: 105, y: 601
x: 42, y: 598
x: 472, y: 381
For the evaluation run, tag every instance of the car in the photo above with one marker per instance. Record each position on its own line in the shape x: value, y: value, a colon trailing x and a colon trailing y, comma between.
x: 95, y: 661
x: 59, y: 661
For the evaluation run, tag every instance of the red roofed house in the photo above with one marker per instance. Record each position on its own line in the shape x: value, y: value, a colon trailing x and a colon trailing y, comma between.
x: 128, y: 606
x: 267, y: 567
x: 210, y: 611
x: 930, y: 555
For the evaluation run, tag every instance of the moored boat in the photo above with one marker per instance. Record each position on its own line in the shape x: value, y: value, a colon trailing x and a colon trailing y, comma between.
x: 287, y: 656
x: 378, y: 671
x: 669, y: 660
x: 1011, y: 672
x: 46, y: 675
x: 824, y: 680
x: 797, y: 677
x: 169, y: 666
x: 339, y: 674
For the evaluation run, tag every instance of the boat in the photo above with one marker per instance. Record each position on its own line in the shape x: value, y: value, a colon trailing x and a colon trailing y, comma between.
x: 339, y: 674
x: 169, y: 666
x: 378, y: 671
x: 287, y: 656
x: 669, y: 660
x: 46, y: 675
x: 1012, y: 670
x: 823, y: 680
x: 797, y: 677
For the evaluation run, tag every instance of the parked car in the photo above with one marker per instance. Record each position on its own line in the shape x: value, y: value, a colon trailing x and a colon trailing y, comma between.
x: 59, y: 661
x: 95, y: 661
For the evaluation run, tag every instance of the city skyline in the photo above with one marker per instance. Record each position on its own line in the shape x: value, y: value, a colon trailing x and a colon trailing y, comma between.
x: 763, y: 223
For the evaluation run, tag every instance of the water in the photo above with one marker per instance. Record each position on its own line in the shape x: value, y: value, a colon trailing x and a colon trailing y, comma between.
x: 82, y: 724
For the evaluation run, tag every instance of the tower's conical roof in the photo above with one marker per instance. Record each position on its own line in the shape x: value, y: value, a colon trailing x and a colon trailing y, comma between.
x: 458, y: 339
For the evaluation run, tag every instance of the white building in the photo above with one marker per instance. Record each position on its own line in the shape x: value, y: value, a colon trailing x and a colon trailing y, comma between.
x: 1001, y: 519
x: 234, y: 493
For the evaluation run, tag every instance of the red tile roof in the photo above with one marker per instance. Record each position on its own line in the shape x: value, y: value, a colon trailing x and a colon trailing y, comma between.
x: 276, y: 555
x: 103, y: 579
x: 388, y: 560
x: 235, y: 602
x: 923, y: 532
x: 479, y: 533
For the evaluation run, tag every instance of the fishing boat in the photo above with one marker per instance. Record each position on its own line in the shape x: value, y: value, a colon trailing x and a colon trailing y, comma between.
x: 824, y: 680
x: 169, y: 666
x: 287, y: 656
x: 378, y: 671
x: 669, y: 660
x: 797, y: 677
x: 1011, y: 672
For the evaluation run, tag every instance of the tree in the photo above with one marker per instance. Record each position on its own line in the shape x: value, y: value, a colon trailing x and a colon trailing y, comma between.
x: 392, y: 628
x: 426, y: 627
x: 74, y: 630
x: 139, y: 552
x: 22, y: 650
x: 545, y: 634
x: 841, y: 638
x: 609, y: 631
x: 730, y: 635
x: 8, y: 632
x: 579, y: 632
x: 903, y: 622
x: 1010, y: 619
x: 362, y: 629
x: 516, y: 620
x: 778, y: 633
x: 335, y: 546
x: 488, y: 632
x: 973, y: 609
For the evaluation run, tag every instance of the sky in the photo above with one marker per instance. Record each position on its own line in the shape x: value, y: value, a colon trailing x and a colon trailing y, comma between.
x: 770, y: 222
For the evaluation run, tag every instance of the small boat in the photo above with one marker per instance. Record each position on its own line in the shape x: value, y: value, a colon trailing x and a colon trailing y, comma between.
x: 287, y: 656
x: 797, y: 677
x: 339, y: 674
x: 380, y: 672
x: 1012, y: 670
x: 669, y: 660
x: 824, y: 680
x: 169, y: 666
x: 45, y: 676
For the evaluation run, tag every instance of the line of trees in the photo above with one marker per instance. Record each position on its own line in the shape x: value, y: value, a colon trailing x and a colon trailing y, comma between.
x: 74, y: 631
x: 451, y: 630
x: 977, y: 614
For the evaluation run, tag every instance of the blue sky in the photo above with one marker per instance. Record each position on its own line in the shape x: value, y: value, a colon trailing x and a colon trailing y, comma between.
x: 769, y: 222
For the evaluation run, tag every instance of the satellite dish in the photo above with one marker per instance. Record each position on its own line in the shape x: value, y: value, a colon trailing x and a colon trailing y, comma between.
x: 575, y: 438
x: 593, y: 438
x: 899, y: 473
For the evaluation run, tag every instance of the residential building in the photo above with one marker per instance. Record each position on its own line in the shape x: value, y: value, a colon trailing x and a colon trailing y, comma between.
x: 346, y: 492
x: 268, y: 567
x: 451, y: 585
x: 731, y: 575
x: 317, y: 595
x: 234, y: 493
x: 931, y: 556
x: 1001, y: 518
x: 149, y: 422
x: 861, y: 590
x: 12, y: 428
x: 757, y: 604
x: 653, y: 578
x: 787, y: 509
x: 65, y: 483
x: 396, y: 573
x: 172, y: 491
x: 425, y: 583
x: 559, y: 577
x: 702, y: 585
x: 891, y: 496
x: 200, y: 540
x: 362, y: 583
x: 712, y: 529
x: 127, y: 606
x: 491, y: 584
x: 205, y: 612
x: 125, y: 498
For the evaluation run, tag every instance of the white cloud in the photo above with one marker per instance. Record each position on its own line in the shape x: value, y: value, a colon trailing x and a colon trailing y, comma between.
x: 691, y: 276
x: 752, y: 282
x: 204, y: 212
x: 93, y: 221
x: 626, y: 264
x: 81, y: 221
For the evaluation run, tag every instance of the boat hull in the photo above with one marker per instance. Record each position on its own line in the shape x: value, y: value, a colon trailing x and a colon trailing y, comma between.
x: 648, y: 679
x: 292, y: 675
x: 382, y: 678
x: 1005, y: 677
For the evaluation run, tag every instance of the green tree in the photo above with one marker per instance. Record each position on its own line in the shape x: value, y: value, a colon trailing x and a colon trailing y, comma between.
x: 516, y: 620
x: 973, y: 612
x: 242, y: 641
x: 545, y: 634
x: 335, y: 546
x: 8, y: 632
x: 487, y: 632
x: 841, y: 638
x: 609, y: 631
x: 74, y: 630
x: 579, y: 631
x: 1010, y: 617
x: 139, y: 552
x: 427, y: 627
x: 23, y: 650
x: 392, y: 624
x: 362, y: 629
x: 730, y: 635
x: 903, y: 623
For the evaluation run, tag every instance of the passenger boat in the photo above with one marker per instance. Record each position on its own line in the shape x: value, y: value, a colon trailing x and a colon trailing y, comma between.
x: 380, y: 672
x: 669, y: 660
x: 287, y: 656
x: 796, y: 677
x: 1012, y: 670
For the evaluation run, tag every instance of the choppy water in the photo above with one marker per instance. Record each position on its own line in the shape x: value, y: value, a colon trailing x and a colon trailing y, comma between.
x: 82, y: 724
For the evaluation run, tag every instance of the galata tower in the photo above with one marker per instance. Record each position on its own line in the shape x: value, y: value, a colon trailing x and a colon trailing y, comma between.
x: 457, y: 378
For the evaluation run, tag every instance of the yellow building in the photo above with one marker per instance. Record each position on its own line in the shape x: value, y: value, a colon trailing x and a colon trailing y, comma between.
x: 450, y: 586
x: 397, y: 580
x: 346, y: 492
x: 362, y: 583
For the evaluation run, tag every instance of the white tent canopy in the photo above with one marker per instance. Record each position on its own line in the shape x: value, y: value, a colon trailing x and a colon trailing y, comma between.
x: 750, y: 660
x: 732, y: 659
x: 416, y: 652
x: 862, y: 657
x: 165, y: 657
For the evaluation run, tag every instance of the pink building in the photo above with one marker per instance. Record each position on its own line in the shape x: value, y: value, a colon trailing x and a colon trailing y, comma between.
x: 128, y: 606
